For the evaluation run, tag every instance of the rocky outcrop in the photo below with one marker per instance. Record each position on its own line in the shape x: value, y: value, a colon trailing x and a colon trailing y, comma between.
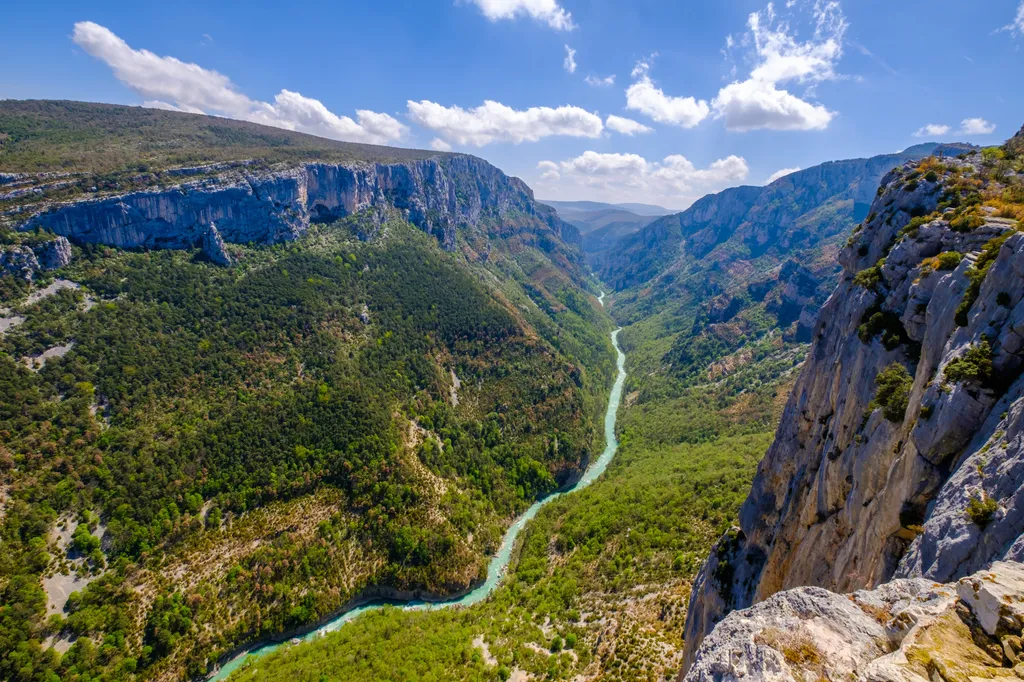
x: 26, y: 260
x: 906, y: 630
x: 438, y: 195
x: 921, y: 477
x: 797, y: 211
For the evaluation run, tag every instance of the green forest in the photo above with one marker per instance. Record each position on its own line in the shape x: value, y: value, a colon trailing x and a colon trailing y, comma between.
x: 295, y: 417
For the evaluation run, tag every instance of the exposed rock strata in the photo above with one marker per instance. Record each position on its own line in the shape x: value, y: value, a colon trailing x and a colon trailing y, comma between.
x: 906, y: 630
x: 846, y: 498
x: 26, y: 260
x: 438, y: 195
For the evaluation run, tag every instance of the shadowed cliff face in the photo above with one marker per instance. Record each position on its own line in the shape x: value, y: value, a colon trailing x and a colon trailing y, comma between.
x: 794, y: 212
x: 901, y: 449
x: 438, y: 195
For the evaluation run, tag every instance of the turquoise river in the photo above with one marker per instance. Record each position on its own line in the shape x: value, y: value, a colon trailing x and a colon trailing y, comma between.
x: 499, y: 564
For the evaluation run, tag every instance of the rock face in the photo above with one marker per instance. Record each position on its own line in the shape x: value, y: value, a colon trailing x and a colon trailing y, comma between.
x: 906, y: 630
x: 26, y: 260
x: 858, y: 488
x: 794, y: 212
x: 438, y: 195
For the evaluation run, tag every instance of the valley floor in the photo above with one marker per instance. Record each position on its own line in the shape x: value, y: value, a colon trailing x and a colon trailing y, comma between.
x: 603, y: 576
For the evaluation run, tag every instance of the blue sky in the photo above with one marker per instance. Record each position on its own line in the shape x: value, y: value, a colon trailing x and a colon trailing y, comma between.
x: 704, y: 94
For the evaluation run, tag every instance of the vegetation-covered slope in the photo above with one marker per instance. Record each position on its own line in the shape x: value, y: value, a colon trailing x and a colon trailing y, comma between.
x: 201, y: 456
x: 46, y: 135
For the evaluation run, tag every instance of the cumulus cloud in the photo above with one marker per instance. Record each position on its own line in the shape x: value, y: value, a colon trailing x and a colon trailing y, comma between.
x: 598, y: 82
x: 674, y: 181
x: 754, y: 105
x: 569, y: 63
x: 644, y: 96
x: 780, y: 174
x: 548, y: 171
x: 495, y: 122
x: 439, y: 145
x: 932, y: 130
x: 626, y: 126
x: 169, y: 83
x: 545, y: 11
x: 780, y: 57
x: 976, y: 126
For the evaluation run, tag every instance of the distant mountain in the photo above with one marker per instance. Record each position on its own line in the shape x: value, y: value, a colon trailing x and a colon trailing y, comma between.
x: 646, y: 209
x: 747, y: 260
x: 602, y: 225
x: 569, y: 207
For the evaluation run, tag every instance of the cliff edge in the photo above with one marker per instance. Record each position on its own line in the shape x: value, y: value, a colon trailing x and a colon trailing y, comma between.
x: 900, y: 453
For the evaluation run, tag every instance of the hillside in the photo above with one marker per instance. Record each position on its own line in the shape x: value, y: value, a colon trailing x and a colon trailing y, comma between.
x: 83, y: 137
x: 897, y: 457
x: 740, y: 273
x: 227, y: 411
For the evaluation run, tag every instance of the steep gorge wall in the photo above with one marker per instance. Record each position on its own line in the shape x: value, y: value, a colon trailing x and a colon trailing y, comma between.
x: 438, y: 195
x: 848, y: 497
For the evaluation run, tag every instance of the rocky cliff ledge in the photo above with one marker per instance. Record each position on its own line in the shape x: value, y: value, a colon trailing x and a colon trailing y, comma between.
x: 25, y: 260
x: 906, y: 630
x: 900, y: 453
x: 237, y: 205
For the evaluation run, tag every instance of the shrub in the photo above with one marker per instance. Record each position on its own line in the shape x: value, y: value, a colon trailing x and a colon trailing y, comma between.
x: 931, y: 176
x: 966, y: 222
x: 556, y: 644
x: 892, y: 394
x: 949, y: 260
x: 981, y: 510
x: 926, y: 412
x: 869, y: 277
x: 974, y: 365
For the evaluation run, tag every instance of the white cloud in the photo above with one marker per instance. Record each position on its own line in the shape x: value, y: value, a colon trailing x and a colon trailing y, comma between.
x: 780, y: 174
x: 569, y: 64
x: 1017, y: 26
x: 549, y: 171
x: 626, y: 126
x: 933, y: 130
x: 976, y: 126
x: 599, y: 82
x: 673, y: 181
x: 439, y: 145
x: 754, y: 105
x: 645, y: 97
x: 546, y: 11
x: 168, y: 83
x: 780, y: 57
x: 495, y: 122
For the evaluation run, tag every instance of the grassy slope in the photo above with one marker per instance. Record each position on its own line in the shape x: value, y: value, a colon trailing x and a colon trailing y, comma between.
x: 44, y: 135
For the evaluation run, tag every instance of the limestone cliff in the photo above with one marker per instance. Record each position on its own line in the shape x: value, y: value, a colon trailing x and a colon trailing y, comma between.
x: 900, y: 453
x: 906, y: 630
x: 25, y: 260
x: 234, y: 203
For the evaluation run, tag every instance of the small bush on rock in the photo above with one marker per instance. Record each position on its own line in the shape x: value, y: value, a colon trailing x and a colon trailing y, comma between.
x: 981, y: 510
x: 974, y: 365
x: 893, y: 393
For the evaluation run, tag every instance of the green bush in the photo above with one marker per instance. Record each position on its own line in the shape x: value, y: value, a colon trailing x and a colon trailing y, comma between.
x: 892, y: 394
x: 974, y: 365
x: 949, y: 260
x: 981, y: 510
x: 869, y: 277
